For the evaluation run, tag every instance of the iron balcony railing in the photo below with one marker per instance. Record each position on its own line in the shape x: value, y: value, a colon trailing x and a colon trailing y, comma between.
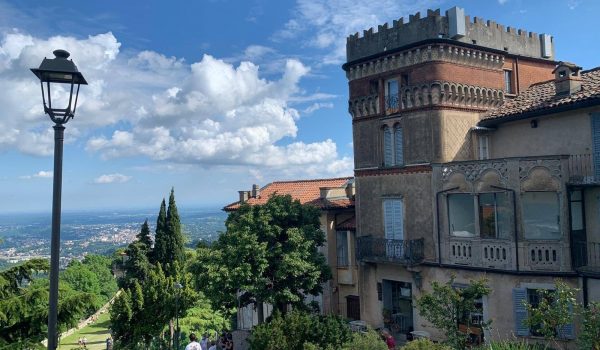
x: 582, y: 168
x: 392, y: 103
x: 586, y: 255
x: 406, y: 252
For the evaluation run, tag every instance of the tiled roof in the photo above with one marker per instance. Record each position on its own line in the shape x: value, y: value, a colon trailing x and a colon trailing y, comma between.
x: 541, y: 97
x: 306, y: 191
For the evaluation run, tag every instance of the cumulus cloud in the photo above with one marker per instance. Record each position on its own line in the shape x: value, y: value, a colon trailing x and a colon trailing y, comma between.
x: 209, y: 113
x: 112, y: 178
x: 40, y: 175
x: 325, y: 24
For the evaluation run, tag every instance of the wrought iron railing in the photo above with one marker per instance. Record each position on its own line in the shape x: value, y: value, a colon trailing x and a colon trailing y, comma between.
x: 408, y: 252
x: 586, y: 254
x: 392, y: 103
x: 582, y: 168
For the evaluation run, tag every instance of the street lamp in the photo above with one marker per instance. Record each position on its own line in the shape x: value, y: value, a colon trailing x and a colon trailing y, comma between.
x: 53, y: 73
x: 178, y: 286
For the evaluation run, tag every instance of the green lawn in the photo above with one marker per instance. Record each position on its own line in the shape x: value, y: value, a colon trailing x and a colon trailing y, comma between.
x: 96, y: 335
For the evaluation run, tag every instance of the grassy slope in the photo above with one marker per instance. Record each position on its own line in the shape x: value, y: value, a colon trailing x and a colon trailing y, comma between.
x: 96, y: 335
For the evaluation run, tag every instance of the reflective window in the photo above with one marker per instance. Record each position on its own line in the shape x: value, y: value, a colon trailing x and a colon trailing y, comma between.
x: 541, y: 215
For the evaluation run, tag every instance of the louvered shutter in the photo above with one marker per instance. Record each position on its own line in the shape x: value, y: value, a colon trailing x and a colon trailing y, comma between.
x: 398, y: 149
x: 596, y: 143
x: 519, y: 299
x: 388, y: 214
x: 398, y: 219
x: 567, y: 331
x: 387, y: 146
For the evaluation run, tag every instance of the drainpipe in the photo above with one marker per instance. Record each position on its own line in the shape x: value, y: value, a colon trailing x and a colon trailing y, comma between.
x: 437, y: 217
x: 514, y: 221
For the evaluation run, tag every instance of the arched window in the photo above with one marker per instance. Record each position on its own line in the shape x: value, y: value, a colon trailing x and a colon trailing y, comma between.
x: 387, y: 147
x: 398, y: 148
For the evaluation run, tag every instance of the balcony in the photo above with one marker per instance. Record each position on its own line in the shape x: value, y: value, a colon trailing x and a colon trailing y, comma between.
x: 392, y: 104
x: 586, y: 256
x: 404, y: 252
x: 582, y: 169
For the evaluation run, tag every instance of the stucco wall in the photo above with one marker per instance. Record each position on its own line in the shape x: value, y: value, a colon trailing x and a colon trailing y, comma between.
x: 563, y: 133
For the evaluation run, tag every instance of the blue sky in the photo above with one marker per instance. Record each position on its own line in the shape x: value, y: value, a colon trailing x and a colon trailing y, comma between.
x: 206, y: 96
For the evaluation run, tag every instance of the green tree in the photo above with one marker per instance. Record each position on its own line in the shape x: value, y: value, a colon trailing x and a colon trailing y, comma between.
x: 159, y: 253
x: 80, y: 278
x: 446, y: 307
x: 144, y: 236
x: 137, y: 264
x: 553, y: 312
x: 175, y: 239
x: 269, y: 253
x: 24, y: 305
x: 101, y: 267
x: 589, y: 334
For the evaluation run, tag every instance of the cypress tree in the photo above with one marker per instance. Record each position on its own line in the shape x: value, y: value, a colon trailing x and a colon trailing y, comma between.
x: 176, y: 252
x: 160, y: 239
x: 144, y: 236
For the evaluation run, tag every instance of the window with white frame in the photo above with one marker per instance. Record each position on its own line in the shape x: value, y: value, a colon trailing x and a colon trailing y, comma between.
x: 488, y: 215
x: 508, y: 82
x: 541, y: 215
x: 343, y: 259
x: 484, y: 146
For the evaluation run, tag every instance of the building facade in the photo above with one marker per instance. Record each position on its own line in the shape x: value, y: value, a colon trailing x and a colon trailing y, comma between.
x: 335, y: 199
x: 452, y: 177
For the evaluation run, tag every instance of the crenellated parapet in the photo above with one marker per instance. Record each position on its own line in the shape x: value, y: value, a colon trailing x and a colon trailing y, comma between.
x: 427, y: 53
x: 455, y: 25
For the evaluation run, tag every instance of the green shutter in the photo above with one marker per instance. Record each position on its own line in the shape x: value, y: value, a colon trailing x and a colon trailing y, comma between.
x: 519, y: 299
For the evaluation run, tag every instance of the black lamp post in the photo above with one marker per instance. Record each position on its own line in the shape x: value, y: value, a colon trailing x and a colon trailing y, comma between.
x: 51, y: 72
x: 178, y: 288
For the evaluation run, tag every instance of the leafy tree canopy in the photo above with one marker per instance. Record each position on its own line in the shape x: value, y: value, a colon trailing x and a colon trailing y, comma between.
x: 269, y: 253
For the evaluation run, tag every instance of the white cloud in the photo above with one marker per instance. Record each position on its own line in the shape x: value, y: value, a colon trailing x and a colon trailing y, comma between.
x: 40, y: 175
x: 502, y: 2
x: 316, y: 106
x: 112, y: 178
x: 325, y: 24
x: 207, y: 113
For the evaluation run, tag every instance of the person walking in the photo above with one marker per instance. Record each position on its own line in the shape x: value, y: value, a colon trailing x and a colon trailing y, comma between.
x: 193, y: 345
x: 109, y: 343
x: 213, y: 345
x: 204, y: 342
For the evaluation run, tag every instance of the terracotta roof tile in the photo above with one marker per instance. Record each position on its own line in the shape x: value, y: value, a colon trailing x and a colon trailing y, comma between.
x: 542, y: 96
x: 306, y: 191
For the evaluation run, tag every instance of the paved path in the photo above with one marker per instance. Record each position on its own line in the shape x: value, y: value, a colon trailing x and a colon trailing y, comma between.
x: 96, y: 334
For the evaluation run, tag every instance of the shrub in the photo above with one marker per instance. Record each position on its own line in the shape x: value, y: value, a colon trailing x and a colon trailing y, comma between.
x: 366, y: 341
x: 508, y: 345
x: 299, y: 330
x: 424, y: 344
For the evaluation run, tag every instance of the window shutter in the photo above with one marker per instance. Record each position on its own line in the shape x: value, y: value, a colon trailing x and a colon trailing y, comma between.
x: 567, y: 331
x: 398, y: 219
x: 388, y: 215
x: 398, y: 147
x: 596, y: 143
x: 387, y: 146
x: 519, y: 299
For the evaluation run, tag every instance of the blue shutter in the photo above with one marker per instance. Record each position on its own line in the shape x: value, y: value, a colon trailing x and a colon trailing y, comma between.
x: 388, y: 215
x: 387, y: 146
x: 398, y: 149
x: 398, y: 219
x: 519, y: 299
x: 567, y: 331
x: 596, y: 144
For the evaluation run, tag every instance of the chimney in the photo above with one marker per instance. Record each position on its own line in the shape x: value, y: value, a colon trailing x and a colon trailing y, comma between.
x: 567, y: 79
x: 244, y: 196
x: 255, y: 191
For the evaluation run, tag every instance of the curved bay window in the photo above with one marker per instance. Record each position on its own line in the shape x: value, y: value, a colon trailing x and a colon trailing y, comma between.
x: 486, y: 215
x: 541, y: 215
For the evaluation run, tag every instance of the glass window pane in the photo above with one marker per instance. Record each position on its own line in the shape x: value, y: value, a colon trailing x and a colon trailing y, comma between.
x: 342, y: 248
x: 495, y: 215
x: 541, y: 215
x: 505, y: 214
x: 461, y: 212
x: 576, y: 216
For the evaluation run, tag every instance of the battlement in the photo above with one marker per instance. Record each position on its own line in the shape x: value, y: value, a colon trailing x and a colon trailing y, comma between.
x: 455, y: 25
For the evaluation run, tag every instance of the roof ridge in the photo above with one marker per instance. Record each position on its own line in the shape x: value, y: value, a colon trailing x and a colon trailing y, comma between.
x: 590, y: 70
x: 313, y: 180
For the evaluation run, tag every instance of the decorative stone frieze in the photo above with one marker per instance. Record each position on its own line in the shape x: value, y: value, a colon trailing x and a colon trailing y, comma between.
x: 473, y: 171
x: 429, y: 53
x: 364, y: 106
x: 552, y: 165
